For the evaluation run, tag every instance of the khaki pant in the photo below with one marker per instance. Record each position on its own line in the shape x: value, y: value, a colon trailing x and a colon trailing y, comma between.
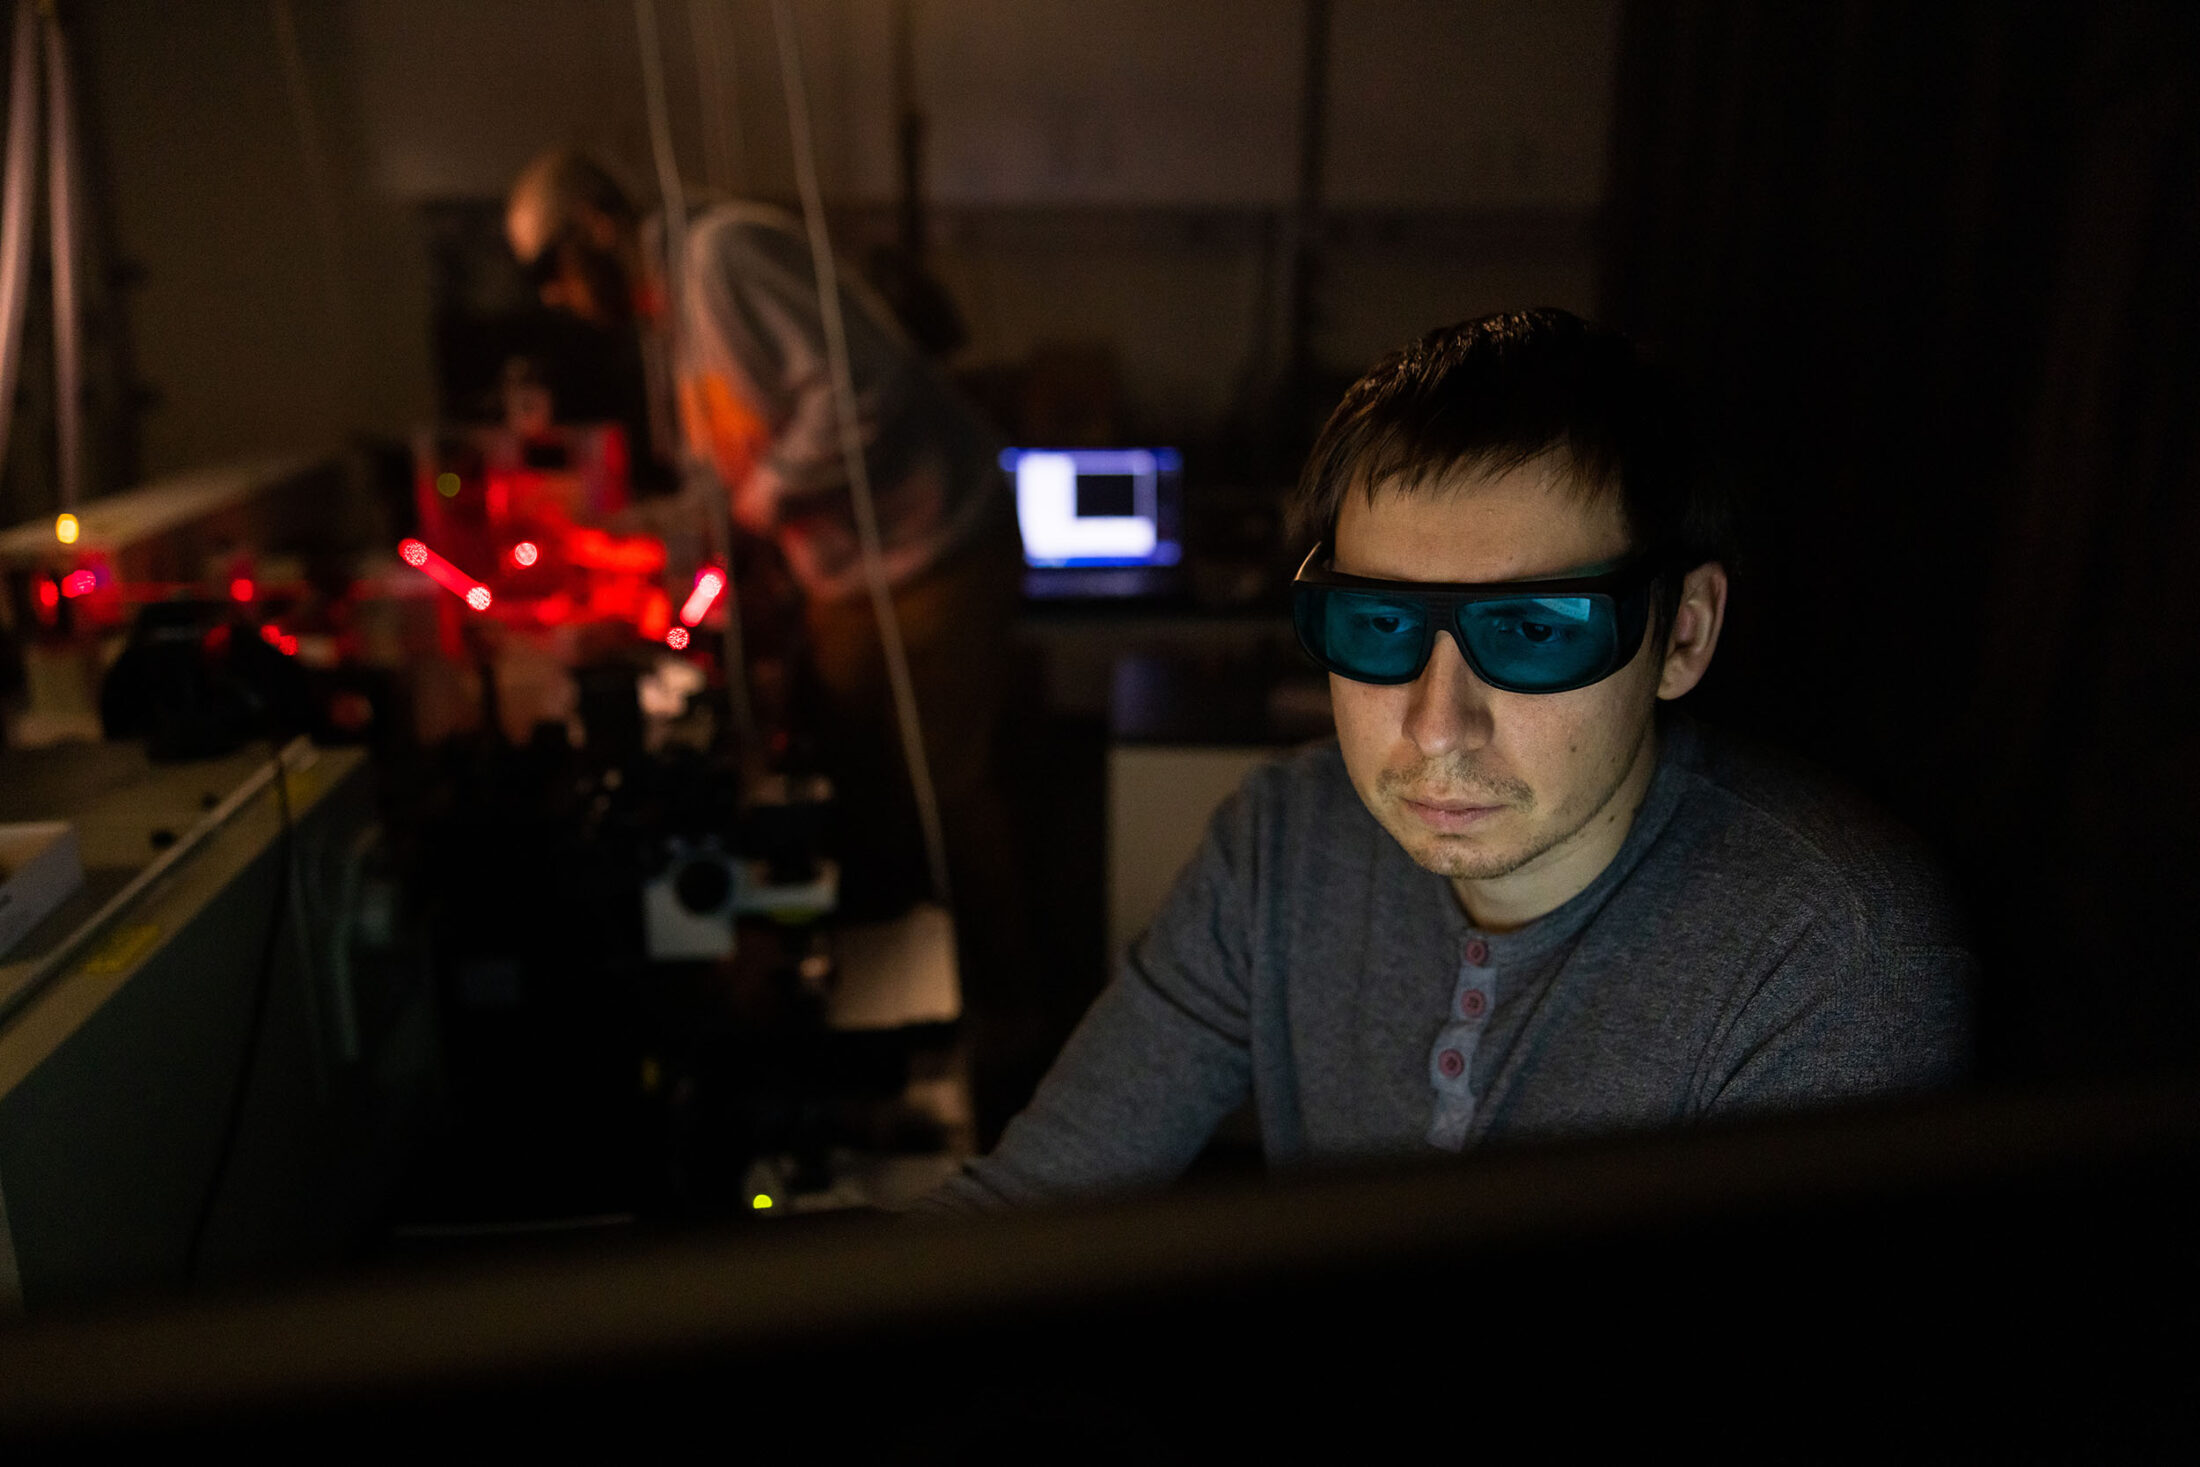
x: 955, y: 628
x: 956, y: 622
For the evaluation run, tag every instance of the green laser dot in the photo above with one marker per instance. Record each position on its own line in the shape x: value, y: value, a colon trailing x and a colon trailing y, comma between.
x: 447, y: 485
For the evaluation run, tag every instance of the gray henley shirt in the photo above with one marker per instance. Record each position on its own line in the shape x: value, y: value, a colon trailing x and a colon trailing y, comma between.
x: 1761, y: 940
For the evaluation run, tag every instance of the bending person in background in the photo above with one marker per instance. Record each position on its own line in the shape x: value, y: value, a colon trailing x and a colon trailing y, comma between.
x: 1520, y: 894
x: 748, y: 371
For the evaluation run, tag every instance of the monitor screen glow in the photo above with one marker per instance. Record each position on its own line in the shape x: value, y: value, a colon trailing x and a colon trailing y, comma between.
x: 1095, y: 506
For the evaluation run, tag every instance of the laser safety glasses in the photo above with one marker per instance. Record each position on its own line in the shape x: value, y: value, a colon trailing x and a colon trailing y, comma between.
x: 1521, y: 636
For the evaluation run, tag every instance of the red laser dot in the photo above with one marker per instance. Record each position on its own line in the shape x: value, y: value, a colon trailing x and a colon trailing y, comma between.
x: 478, y: 598
x: 526, y: 552
x: 242, y: 589
x: 271, y: 634
x: 49, y: 595
x: 288, y: 646
x: 79, y: 583
x: 414, y: 553
x: 677, y: 639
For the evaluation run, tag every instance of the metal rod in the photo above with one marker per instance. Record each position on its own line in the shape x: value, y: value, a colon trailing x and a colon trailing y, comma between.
x: 15, y: 222
x: 63, y: 208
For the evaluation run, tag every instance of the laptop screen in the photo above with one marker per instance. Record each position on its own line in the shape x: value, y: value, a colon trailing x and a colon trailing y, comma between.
x: 1097, y: 506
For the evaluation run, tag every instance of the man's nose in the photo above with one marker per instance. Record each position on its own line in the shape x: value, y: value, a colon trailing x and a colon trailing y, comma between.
x: 1448, y: 707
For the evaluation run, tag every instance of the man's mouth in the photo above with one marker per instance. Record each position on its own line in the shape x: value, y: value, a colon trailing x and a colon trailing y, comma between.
x: 1449, y: 817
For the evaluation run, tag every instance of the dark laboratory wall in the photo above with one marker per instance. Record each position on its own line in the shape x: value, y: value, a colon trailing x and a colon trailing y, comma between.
x: 1109, y: 178
x: 1110, y: 183
x: 274, y: 298
x: 1929, y: 272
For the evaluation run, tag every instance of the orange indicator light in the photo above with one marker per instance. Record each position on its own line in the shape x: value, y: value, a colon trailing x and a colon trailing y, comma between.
x: 66, y: 528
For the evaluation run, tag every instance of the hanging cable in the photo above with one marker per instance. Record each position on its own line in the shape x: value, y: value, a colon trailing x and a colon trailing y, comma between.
x: 15, y: 221
x: 723, y: 165
x: 697, y: 481
x: 263, y: 987
x: 851, y: 448
x: 64, y: 209
x: 669, y: 188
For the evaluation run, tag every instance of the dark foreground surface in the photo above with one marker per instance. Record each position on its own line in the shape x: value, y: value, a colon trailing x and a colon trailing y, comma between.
x: 1994, y: 1278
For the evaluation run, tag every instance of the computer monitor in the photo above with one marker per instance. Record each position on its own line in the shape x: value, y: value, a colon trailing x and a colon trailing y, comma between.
x: 1098, y: 522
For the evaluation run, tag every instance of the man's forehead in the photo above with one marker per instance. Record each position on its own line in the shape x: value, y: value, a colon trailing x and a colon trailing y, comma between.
x: 1553, y: 471
x: 1521, y: 522
x: 527, y: 223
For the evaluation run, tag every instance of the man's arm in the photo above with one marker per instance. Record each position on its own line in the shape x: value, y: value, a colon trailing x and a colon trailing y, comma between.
x: 1160, y: 1058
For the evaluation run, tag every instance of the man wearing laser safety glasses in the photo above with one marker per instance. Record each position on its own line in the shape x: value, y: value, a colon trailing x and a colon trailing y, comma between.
x: 1520, y: 895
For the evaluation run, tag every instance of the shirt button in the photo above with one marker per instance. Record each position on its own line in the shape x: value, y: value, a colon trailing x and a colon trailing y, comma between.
x: 1473, y: 1002
x: 1452, y: 1063
x: 1478, y: 952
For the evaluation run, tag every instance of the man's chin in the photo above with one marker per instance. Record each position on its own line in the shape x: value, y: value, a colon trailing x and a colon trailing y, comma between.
x: 1462, y: 858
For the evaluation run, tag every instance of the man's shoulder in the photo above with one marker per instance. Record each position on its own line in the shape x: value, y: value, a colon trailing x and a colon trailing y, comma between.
x: 1758, y: 816
x: 745, y: 214
x: 736, y: 228
x: 1293, y: 803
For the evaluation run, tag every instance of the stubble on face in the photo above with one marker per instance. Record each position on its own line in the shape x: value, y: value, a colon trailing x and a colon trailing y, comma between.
x: 1516, y: 838
x: 1450, y: 779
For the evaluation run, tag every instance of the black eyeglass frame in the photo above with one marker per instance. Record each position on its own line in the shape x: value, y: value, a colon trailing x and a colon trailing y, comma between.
x: 1626, y: 587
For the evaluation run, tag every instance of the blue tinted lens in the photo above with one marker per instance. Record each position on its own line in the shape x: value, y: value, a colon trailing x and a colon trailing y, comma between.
x: 1368, y: 635
x: 1540, y: 643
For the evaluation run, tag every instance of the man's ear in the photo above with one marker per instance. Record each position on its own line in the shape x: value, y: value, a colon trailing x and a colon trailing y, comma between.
x: 1694, y: 635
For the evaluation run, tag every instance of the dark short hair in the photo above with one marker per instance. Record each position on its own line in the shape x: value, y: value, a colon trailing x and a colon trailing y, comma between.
x: 1491, y: 395
x: 566, y: 181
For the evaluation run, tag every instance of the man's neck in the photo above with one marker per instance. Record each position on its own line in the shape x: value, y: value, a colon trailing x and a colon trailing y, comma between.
x: 1549, y: 881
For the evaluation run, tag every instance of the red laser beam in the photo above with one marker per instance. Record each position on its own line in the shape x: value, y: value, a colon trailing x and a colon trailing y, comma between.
x: 416, y: 554
x: 709, y: 582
